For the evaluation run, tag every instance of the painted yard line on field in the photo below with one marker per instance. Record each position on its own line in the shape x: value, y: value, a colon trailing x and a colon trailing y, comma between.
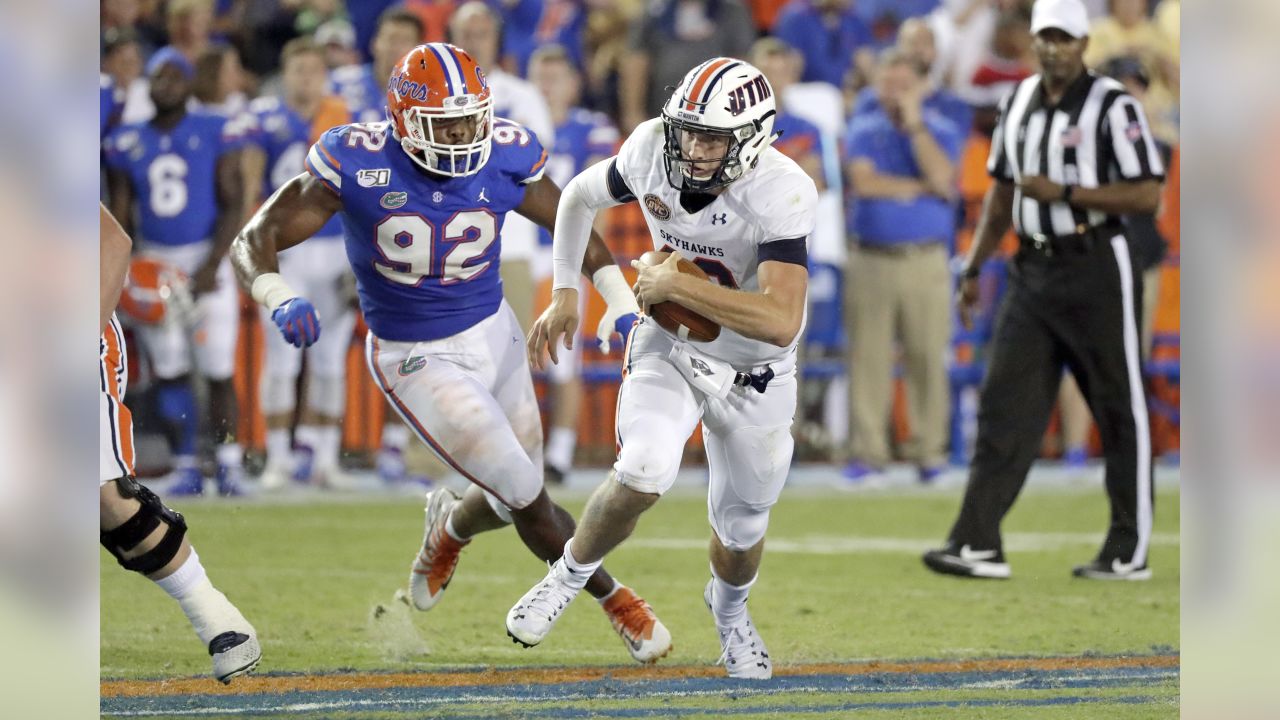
x: 846, y: 545
x: 412, y: 705
x: 529, y: 677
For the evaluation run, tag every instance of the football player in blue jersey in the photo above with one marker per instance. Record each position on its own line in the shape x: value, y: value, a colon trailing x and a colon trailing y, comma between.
x: 362, y: 86
x: 182, y: 171
x: 280, y: 132
x: 583, y: 138
x: 423, y: 198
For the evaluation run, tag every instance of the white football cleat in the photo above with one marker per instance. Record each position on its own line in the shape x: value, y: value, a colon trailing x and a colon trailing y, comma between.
x: 646, y: 638
x: 437, y: 559
x: 333, y: 477
x: 529, y: 621
x: 234, y: 654
x: 275, y: 476
x: 742, y: 652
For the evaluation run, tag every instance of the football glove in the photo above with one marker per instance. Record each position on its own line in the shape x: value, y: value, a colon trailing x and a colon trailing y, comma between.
x: 297, y: 321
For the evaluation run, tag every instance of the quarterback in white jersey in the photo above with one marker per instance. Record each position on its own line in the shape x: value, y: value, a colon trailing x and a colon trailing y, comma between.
x: 713, y: 191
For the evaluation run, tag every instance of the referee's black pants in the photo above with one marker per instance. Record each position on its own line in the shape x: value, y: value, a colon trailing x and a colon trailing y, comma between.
x: 1079, y: 310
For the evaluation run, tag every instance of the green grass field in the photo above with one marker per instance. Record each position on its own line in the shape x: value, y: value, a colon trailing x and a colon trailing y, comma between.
x: 841, y: 582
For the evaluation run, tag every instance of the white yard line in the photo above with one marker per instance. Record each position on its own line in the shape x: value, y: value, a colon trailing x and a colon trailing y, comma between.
x: 848, y: 545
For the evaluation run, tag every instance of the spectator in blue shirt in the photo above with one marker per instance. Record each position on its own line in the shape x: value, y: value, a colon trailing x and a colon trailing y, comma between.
x: 915, y: 38
x: 829, y: 35
x: 884, y: 17
x: 902, y: 161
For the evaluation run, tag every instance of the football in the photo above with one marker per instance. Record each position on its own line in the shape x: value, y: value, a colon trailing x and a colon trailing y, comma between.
x: 678, y: 319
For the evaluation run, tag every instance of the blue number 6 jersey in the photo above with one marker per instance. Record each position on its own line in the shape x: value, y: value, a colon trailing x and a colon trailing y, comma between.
x: 424, y: 249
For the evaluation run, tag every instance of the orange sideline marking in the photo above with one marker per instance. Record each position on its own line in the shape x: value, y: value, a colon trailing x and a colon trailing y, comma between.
x: 542, y: 676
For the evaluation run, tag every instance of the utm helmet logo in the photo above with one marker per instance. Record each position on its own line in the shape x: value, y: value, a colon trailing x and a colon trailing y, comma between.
x: 748, y: 94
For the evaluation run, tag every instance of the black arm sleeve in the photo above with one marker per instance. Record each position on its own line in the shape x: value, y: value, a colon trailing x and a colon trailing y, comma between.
x: 790, y: 250
x: 617, y: 186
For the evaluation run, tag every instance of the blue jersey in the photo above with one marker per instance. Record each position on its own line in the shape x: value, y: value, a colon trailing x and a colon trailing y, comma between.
x: 582, y: 136
x: 174, y: 173
x: 363, y: 93
x: 284, y: 136
x: 424, y: 248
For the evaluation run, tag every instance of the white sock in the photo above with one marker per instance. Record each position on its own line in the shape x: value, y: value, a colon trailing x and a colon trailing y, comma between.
x: 579, y: 573
x: 209, y: 611
x: 182, y: 462
x: 180, y: 581
x: 309, y: 435
x: 278, y: 447
x: 230, y: 454
x: 616, y: 587
x: 329, y: 445
x: 560, y: 448
x: 728, y: 602
x: 395, y: 435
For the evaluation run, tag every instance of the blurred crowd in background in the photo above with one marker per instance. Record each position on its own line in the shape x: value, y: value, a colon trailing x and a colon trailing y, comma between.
x: 843, y: 71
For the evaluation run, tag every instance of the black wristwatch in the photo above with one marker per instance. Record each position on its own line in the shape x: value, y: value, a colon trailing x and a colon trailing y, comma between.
x: 970, y: 272
x: 1067, y: 191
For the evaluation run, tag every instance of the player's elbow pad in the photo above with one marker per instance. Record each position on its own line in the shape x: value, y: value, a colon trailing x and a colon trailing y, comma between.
x: 585, y: 195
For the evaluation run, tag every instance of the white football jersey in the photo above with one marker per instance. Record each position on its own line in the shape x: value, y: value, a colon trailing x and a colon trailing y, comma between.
x: 775, y: 201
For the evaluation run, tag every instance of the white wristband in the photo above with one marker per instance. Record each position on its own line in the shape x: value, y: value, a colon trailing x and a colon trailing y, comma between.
x: 271, y: 291
x: 613, y: 287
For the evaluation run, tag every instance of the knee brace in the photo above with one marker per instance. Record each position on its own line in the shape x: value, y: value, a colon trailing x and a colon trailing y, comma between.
x: 277, y: 394
x: 648, y: 466
x: 740, y: 527
x: 748, y: 475
x: 137, y: 528
x: 326, y: 394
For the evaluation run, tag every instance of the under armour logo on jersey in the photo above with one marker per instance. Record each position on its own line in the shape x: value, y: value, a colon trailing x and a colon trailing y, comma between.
x: 481, y: 197
x: 719, y: 219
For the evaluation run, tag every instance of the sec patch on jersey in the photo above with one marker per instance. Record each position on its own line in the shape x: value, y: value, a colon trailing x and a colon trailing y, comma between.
x: 678, y: 319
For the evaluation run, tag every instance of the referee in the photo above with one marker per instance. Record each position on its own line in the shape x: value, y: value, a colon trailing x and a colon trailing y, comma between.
x: 1071, y: 153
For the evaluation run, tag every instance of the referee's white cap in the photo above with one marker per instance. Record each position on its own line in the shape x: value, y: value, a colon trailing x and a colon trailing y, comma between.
x: 1068, y: 16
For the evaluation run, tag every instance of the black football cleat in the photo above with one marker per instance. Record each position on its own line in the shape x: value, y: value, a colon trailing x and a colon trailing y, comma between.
x: 967, y: 562
x: 1114, y: 570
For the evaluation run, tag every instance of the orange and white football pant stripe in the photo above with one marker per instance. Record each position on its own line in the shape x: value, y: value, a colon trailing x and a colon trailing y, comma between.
x: 115, y: 424
x: 469, y: 397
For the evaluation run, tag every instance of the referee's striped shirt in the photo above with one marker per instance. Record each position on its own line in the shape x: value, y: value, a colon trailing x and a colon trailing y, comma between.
x: 1096, y: 135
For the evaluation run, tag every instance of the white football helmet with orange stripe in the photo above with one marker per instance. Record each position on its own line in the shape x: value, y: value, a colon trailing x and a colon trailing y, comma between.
x: 718, y: 121
x: 439, y: 82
